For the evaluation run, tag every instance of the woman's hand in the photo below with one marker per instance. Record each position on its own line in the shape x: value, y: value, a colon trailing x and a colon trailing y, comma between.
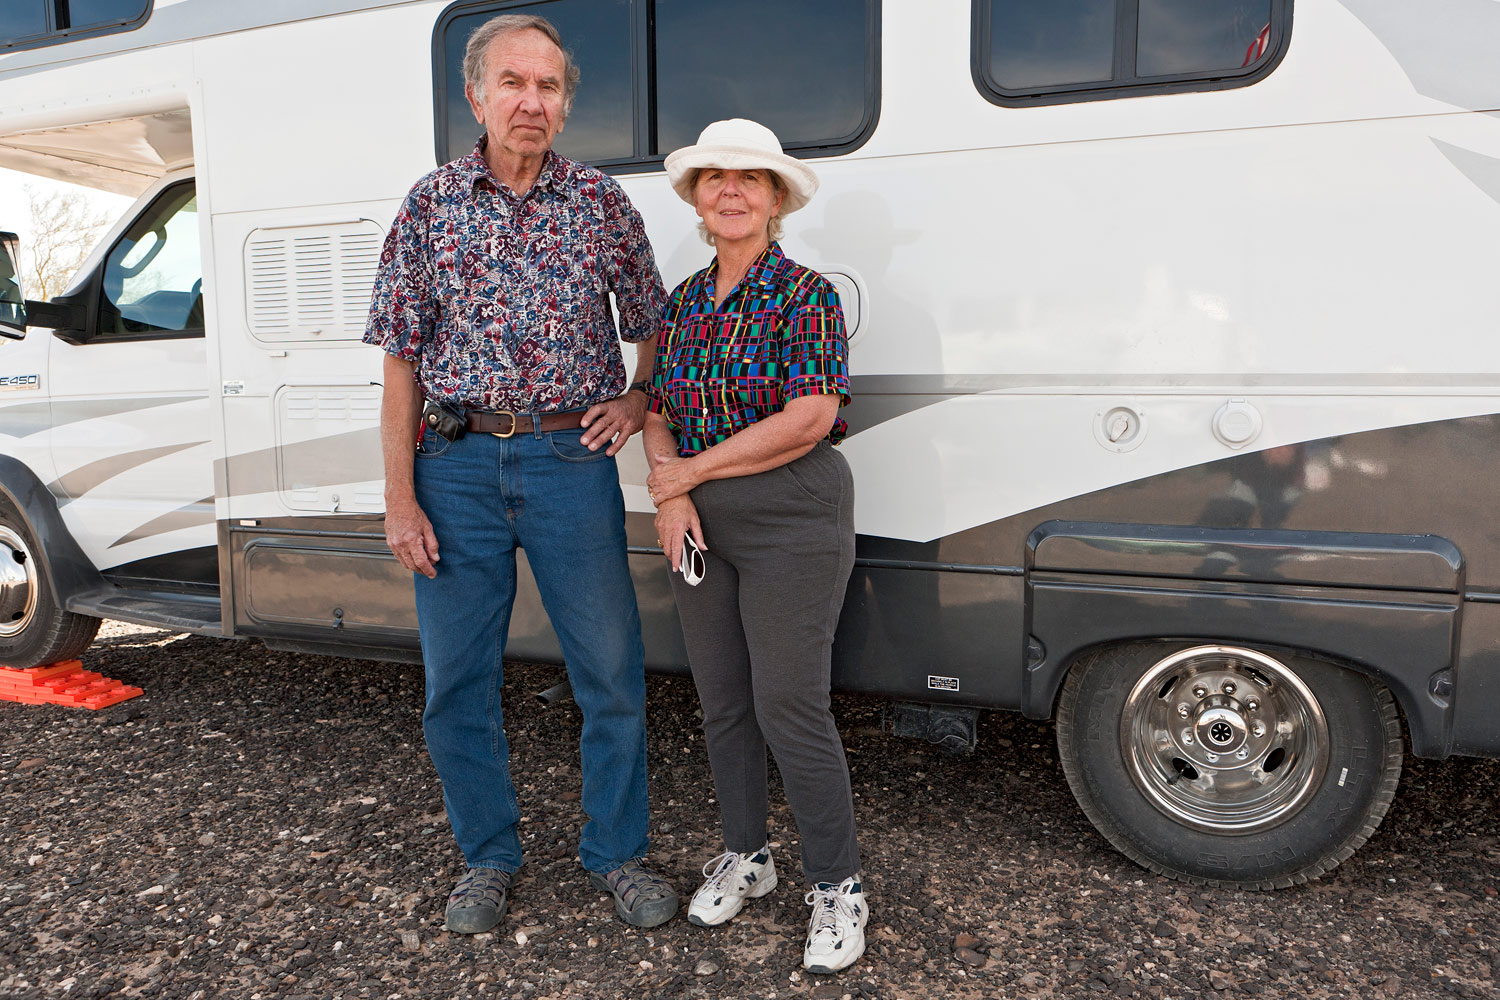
x: 672, y: 477
x: 674, y: 518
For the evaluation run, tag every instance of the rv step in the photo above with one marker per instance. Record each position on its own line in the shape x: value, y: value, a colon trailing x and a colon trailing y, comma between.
x: 196, y: 613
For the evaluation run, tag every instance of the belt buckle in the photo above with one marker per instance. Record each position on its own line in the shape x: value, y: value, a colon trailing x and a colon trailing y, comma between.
x: 512, y: 431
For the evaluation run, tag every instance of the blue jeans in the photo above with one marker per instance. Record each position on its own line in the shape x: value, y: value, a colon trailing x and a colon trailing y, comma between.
x: 486, y: 497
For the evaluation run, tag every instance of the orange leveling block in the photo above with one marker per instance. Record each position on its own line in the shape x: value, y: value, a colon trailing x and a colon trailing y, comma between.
x: 63, y: 683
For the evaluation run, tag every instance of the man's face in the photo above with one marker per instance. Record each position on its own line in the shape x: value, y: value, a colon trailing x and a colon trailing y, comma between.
x: 522, y: 105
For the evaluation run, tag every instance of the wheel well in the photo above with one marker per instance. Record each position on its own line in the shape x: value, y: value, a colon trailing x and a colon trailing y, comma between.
x: 69, y: 571
x: 1370, y: 673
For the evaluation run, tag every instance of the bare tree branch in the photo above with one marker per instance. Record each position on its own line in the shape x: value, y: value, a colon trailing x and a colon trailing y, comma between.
x: 64, y: 228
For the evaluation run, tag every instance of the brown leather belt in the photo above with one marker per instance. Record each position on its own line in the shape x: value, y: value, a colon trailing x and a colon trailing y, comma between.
x: 505, y: 423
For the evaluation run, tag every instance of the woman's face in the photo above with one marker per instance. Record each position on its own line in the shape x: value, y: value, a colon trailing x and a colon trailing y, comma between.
x: 736, y: 205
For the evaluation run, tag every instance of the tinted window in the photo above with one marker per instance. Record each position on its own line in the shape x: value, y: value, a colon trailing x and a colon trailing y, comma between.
x: 1046, y: 51
x: 12, y: 302
x: 82, y: 13
x: 32, y: 23
x: 654, y: 72
x: 1053, y: 42
x: 153, y: 278
x: 1190, y: 36
x: 807, y: 85
x: 19, y: 18
x: 598, y: 34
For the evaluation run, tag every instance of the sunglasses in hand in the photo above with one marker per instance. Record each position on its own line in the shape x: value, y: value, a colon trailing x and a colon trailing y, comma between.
x: 693, y: 564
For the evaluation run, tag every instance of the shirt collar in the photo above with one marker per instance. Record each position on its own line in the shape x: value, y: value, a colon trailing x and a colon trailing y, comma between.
x: 553, y: 176
x: 762, y: 273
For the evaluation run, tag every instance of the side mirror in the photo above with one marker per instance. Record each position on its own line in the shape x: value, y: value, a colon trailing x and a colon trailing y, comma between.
x: 12, y: 300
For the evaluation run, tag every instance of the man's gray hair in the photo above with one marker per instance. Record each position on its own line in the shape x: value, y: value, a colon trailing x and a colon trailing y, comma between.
x: 476, y: 52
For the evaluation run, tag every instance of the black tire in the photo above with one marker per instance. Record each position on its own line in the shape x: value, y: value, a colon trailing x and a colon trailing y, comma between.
x: 33, y: 629
x: 1195, y: 827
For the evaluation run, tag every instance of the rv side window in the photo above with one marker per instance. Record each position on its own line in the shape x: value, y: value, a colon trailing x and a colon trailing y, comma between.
x: 32, y: 23
x: 599, y: 127
x: 12, y: 302
x: 1057, y: 51
x: 153, y: 277
x: 650, y: 81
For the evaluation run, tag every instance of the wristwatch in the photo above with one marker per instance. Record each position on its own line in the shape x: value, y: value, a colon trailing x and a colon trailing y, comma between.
x: 638, y: 385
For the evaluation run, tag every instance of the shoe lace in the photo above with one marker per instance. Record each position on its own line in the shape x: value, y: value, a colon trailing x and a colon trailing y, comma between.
x: 828, y: 906
x: 722, y: 868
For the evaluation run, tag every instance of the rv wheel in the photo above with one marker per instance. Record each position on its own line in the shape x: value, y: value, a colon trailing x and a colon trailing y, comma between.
x: 1223, y: 765
x: 33, y: 629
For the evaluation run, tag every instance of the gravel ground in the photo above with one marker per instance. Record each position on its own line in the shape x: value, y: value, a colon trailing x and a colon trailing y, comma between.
x: 260, y: 825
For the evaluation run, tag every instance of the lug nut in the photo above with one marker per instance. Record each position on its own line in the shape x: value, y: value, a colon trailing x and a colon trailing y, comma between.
x: 1251, y: 704
x: 1242, y: 753
x: 1213, y: 758
x: 1183, y: 711
x: 1228, y: 687
x: 1199, y: 691
x: 1187, y: 737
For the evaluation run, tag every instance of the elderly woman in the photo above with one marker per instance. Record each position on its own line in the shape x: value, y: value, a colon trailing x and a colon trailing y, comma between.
x: 751, y: 371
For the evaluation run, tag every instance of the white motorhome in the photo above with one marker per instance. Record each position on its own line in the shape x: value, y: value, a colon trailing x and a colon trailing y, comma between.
x: 1173, y: 333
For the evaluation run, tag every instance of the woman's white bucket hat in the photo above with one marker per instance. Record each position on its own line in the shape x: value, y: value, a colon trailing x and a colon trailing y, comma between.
x: 741, y: 144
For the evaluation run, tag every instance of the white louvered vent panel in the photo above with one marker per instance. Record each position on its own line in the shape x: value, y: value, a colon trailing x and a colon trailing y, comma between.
x: 365, y: 408
x: 270, y: 305
x: 360, y: 253
x: 301, y: 406
x: 313, y: 274
x: 328, y: 448
x: 333, y: 406
x: 311, y: 283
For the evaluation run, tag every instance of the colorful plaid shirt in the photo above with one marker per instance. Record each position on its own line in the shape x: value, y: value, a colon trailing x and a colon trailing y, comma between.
x: 779, y: 335
x: 503, y: 300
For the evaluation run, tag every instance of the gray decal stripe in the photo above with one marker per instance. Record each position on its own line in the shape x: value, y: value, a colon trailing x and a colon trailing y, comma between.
x: 1445, y: 47
x: 1208, y: 382
x: 25, y: 419
x: 194, y: 514
x: 871, y: 409
x: 77, y: 483
x: 349, y: 457
x: 878, y: 398
x: 1483, y: 170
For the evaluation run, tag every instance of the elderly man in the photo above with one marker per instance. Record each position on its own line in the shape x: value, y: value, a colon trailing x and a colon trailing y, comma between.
x: 492, y: 304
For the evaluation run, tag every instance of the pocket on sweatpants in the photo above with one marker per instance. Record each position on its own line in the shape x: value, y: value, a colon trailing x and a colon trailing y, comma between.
x: 817, y: 474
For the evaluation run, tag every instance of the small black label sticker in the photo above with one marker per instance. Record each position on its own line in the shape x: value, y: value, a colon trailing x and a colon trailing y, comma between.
x: 935, y: 683
x: 10, y: 383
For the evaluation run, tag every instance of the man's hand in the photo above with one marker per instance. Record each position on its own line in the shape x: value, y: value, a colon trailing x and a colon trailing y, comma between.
x: 613, y: 422
x: 409, y: 534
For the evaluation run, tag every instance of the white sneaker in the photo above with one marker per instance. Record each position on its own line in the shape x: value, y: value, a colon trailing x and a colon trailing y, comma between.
x: 732, y: 879
x: 836, y: 932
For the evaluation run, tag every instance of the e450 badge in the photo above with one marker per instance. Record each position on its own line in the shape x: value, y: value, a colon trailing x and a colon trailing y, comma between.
x: 10, y: 383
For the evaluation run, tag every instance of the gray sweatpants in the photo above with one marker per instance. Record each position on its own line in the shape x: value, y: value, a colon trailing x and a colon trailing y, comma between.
x: 759, y: 632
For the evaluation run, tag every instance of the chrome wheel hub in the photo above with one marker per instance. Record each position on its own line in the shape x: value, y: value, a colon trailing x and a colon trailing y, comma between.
x: 1224, y: 739
x: 17, y: 583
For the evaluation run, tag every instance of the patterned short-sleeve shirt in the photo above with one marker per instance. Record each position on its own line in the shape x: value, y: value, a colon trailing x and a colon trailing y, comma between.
x: 779, y: 335
x: 503, y: 300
